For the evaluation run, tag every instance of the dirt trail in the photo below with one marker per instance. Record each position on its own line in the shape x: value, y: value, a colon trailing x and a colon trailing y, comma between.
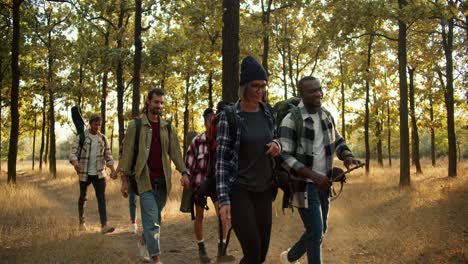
x: 373, y: 221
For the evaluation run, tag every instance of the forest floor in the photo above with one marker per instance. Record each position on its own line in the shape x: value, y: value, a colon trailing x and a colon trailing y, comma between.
x: 373, y: 221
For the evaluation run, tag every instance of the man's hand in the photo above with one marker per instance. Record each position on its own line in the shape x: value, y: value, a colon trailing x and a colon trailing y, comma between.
x: 225, y: 215
x: 322, y: 182
x: 350, y: 160
x: 77, y: 167
x: 185, y: 181
x: 113, y: 175
x: 124, y: 188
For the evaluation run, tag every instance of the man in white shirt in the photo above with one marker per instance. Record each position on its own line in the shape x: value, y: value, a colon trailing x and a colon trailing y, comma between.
x: 89, y: 156
x: 310, y: 140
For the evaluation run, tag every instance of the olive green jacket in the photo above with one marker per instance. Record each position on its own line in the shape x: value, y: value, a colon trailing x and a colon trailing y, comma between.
x: 169, y: 153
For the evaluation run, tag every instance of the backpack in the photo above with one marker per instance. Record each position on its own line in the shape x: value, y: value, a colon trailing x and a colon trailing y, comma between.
x: 208, y: 185
x: 132, y: 183
x: 281, y: 177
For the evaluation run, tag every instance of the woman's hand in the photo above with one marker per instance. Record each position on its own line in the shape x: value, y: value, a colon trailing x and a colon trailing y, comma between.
x: 272, y: 149
x: 225, y: 215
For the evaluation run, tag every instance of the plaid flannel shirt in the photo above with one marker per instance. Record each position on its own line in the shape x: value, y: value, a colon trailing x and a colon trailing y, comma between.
x: 196, y: 160
x: 298, y: 152
x: 104, y: 156
x: 227, y: 151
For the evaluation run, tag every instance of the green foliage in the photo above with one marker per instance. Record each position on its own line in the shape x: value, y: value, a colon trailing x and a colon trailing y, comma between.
x: 182, y: 55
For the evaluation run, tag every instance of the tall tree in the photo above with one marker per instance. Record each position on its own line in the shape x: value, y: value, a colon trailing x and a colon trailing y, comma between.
x: 367, y: 100
x: 414, y: 126
x: 447, y: 24
x: 230, y: 51
x: 14, y: 93
x: 137, y: 59
x: 405, y: 179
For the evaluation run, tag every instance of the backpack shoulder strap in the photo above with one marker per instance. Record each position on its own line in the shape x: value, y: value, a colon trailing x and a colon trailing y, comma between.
x: 137, y: 141
x: 169, y: 131
x: 296, y: 116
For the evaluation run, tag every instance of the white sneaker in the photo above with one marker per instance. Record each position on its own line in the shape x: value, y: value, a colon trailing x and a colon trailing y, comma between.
x: 83, y: 227
x: 133, y: 228
x: 143, y: 251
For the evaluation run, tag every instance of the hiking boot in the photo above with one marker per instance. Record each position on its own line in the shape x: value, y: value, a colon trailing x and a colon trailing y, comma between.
x: 202, y: 253
x: 83, y: 227
x: 223, y: 255
x: 133, y: 228
x: 107, y: 229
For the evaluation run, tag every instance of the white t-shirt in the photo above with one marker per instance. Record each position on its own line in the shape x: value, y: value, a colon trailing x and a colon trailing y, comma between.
x: 320, y: 164
x: 92, y: 165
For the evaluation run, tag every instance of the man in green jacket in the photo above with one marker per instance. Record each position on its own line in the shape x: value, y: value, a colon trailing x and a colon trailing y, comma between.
x: 157, y: 147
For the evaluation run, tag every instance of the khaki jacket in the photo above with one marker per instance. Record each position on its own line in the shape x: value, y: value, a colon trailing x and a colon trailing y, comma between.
x: 169, y: 153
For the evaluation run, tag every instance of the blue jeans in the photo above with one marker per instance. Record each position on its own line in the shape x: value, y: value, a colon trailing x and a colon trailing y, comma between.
x: 315, y: 224
x: 132, y: 200
x: 151, y: 204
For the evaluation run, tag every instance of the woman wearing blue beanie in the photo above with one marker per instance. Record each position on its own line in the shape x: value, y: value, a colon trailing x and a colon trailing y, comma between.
x: 246, y: 144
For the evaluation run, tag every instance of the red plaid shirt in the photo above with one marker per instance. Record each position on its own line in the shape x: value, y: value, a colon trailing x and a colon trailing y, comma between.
x: 196, y: 160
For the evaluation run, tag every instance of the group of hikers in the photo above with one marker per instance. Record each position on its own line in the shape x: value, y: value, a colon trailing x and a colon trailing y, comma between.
x: 232, y: 162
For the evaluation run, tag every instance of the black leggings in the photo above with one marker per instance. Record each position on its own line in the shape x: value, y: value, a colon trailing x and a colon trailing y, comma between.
x: 100, y: 190
x: 251, y: 221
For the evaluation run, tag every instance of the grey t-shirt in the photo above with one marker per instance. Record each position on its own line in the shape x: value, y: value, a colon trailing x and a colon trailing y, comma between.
x: 255, y: 167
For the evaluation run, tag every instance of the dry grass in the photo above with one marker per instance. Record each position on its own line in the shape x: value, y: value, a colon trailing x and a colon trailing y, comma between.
x: 376, y: 221
x: 373, y: 221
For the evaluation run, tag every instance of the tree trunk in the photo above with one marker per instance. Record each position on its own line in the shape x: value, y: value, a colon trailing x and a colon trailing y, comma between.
x: 290, y: 70
x: 414, y: 126
x: 367, y: 103
x: 1, y: 109
x: 51, y: 86
x: 34, y: 140
x: 43, y: 131
x: 104, y: 87
x: 266, y: 33
x: 405, y: 177
x: 230, y: 50
x: 112, y: 137
x: 186, y: 112
x: 282, y: 52
x: 47, y: 138
x: 119, y: 75
x: 52, y: 147
x: 210, y: 90
x: 431, y: 115
x: 389, y: 134
x: 137, y: 59
x: 378, y: 133
x: 447, y: 38
x: 15, y: 79
x: 342, y: 78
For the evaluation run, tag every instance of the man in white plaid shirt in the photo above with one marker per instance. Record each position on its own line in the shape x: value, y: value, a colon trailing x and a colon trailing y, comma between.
x: 89, y: 159
x: 310, y: 139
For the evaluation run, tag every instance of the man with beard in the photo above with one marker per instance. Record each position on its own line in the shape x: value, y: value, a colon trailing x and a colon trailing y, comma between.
x: 157, y: 147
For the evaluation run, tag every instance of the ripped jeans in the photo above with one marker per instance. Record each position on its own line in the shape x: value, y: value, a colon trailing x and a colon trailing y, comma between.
x: 151, y: 204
